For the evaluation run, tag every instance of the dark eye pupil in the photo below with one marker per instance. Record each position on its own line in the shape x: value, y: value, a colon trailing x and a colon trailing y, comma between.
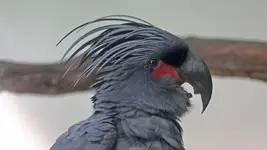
x: 154, y: 62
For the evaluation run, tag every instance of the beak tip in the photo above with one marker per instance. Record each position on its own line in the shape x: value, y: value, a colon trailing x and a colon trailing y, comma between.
x: 205, y: 101
x: 204, y: 109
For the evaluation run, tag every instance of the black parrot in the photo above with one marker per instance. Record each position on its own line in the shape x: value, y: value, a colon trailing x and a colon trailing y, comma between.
x: 140, y: 69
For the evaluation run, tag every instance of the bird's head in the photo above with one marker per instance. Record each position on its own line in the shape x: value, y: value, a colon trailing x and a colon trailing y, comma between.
x: 142, y: 65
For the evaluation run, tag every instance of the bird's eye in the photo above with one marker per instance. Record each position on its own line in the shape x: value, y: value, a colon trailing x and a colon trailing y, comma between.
x: 154, y: 62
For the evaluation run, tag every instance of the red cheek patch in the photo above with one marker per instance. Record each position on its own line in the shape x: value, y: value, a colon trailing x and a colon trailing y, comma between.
x: 163, y: 69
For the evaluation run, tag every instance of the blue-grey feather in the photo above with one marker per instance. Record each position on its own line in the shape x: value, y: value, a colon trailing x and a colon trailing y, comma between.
x: 132, y: 111
x: 106, y: 18
x: 96, y: 132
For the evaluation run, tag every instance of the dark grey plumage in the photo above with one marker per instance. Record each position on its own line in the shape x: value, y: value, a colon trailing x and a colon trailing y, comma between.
x: 132, y: 110
x: 119, y: 41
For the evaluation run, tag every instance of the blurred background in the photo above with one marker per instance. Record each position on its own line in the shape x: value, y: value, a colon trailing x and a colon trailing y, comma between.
x: 29, y: 30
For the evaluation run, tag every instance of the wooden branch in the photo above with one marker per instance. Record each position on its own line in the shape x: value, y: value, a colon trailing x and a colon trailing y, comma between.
x: 224, y: 58
x: 41, y: 78
x: 232, y: 58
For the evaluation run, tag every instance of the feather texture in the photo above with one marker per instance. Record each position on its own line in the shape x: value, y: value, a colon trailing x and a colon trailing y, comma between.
x: 95, y: 133
x: 131, y: 37
x: 132, y: 111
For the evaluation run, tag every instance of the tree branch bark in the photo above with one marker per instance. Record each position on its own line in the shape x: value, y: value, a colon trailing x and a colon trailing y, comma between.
x: 224, y: 58
x: 232, y: 57
x: 41, y: 78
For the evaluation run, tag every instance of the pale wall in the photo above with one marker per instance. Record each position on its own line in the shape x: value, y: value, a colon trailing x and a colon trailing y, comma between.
x: 29, y: 30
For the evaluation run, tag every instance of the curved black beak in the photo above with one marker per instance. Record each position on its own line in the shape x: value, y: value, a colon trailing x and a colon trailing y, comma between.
x: 195, y: 72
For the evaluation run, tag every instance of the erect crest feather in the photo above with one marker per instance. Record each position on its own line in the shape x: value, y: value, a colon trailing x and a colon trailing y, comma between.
x: 116, y: 42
